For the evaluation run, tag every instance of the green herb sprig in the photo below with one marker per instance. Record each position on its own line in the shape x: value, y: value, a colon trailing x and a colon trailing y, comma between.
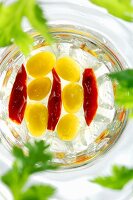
x: 120, y: 177
x: 124, y: 89
x: 119, y: 8
x: 11, y: 18
x: 36, y: 159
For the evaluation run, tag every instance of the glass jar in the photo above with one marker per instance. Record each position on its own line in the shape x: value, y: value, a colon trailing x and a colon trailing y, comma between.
x: 101, y: 36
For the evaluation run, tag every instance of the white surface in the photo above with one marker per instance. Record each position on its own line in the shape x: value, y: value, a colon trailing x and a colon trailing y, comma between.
x: 77, y: 187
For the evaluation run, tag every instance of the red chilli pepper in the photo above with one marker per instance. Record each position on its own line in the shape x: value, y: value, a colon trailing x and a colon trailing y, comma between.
x: 54, y: 102
x: 90, y: 104
x: 18, y: 97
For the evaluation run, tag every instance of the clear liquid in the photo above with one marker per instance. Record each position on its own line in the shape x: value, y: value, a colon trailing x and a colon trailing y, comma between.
x: 85, y: 143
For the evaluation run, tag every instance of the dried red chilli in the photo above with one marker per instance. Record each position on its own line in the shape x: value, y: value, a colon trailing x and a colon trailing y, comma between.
x: 90, y: 103
x: 54, y: 102
x: 18, y: 97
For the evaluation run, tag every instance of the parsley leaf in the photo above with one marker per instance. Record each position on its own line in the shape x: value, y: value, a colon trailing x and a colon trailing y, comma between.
x: 38, y: 21
x: 11, y: 18
x: 125, y: 77
x: 37, y: 158
x: 124, y: 90
x: 124, y: 96
x: 119, y: 8
x: 120, y: 177
x: 38, y: 192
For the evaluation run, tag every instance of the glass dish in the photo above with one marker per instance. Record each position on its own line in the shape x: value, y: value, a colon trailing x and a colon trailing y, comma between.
x: 85, y: 35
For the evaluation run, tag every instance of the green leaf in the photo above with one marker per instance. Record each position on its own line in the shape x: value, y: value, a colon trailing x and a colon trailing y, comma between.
x: 125, y: 78
x: 124, y: 89
x: 131, y: 113
x: 120, y: 177
x: 119, y: 8
x: 124, y: 96
x: 36, y: 158
x: 38, y: 192
x: 39, y: 157
x: 23, y: 40
x: 15, y: 180
x: 11, y: 175
x: 38, y: 21
x: 11, y: 18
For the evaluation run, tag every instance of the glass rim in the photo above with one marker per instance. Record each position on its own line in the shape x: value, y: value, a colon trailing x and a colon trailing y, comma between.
x: 98, y: 155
